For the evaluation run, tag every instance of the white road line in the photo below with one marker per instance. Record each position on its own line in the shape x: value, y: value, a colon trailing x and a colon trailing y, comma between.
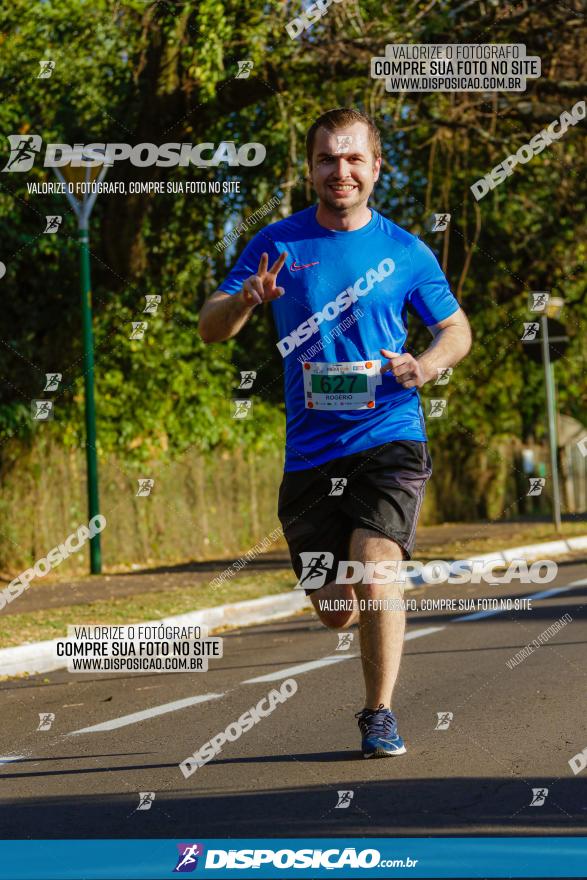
x: 328, y: 661
x: 281, y: 674
x: 411, y: 634
x: 135, y: 717
x: 543, y: 595
x: 301, y: 668
x: 426, y: 631
x: 146, y: 713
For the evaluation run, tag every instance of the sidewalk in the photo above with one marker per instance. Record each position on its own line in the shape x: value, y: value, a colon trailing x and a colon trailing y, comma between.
x: 433, y: 542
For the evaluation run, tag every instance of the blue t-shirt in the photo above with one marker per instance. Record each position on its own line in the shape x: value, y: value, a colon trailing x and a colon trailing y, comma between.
x: 363, y: 282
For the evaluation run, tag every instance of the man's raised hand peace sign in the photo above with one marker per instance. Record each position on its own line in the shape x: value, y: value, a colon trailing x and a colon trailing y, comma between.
x: 261, y: 287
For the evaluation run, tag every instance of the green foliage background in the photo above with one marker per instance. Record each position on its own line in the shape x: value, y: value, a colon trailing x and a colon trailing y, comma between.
x: 137, y: 71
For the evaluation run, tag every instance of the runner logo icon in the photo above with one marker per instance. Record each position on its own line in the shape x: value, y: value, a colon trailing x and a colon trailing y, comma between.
x: 345, y: 142
x: 344, y: 800
x: 338, y: 485
x: 23, y: 150
x: 444, y: 719
x: 344, y: 641
x: 539, y: 796
x: 440, y: 222
x: 317, y: 565
x: 437, y: 409
x: 53, y: 222
x: 188, y: 857
x: 46, y: 719
x: 52, y: 381
x: 47, y: 68
x: 242, y: 408
x: 444, y: 374
x: 146, y: 799
x: 138, y: 329
x: 41, y: 410
x: 244, y: 69
x: 537, y: 484
x: 539, y: 300
x: 153, y: 300
x: 247, y: 378
x: 530, y: 330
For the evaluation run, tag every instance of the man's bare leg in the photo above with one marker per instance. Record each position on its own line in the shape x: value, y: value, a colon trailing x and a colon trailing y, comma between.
x: 381, y: 632
x: 340, y: 619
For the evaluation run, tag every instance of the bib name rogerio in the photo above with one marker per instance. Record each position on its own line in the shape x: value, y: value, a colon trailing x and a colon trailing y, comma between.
x: 332, y: 309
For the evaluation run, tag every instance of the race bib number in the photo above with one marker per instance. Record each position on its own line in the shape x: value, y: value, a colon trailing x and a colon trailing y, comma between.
x: 339, y: 386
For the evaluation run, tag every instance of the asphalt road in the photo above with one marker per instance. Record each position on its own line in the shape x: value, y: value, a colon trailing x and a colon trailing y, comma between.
x: 513, y: 730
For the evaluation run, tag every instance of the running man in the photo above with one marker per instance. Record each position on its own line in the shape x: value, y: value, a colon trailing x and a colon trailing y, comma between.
x: 340, y: 278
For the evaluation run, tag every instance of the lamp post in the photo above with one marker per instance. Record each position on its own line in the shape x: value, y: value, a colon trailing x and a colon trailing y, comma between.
x: 545, y: 349
x: 553, y: 310
x: 82, y: 207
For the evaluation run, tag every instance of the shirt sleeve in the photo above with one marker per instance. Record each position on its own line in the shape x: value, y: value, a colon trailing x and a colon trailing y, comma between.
x: 248, y: 262
x: 430, y: 294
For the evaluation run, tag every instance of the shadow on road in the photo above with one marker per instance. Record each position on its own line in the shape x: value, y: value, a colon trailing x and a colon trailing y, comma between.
x: 387, y: 806
x: 272, y: 561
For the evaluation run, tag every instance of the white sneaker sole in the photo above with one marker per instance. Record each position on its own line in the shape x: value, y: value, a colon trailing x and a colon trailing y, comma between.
x: 382, y: 753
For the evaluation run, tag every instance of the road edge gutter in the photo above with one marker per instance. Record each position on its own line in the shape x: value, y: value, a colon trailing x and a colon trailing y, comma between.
x: 38, y: 657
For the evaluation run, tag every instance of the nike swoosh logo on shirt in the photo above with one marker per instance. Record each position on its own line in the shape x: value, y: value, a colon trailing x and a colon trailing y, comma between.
x: 295, y: 268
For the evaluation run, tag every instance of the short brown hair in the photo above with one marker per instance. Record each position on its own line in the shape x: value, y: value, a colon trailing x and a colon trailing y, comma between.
x: 339, y: 118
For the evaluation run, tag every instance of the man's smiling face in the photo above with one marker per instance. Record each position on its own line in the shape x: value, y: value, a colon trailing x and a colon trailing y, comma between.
x: 344, y: 169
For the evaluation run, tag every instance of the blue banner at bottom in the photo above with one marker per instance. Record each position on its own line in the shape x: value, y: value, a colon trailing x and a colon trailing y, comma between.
x: 372, y: 857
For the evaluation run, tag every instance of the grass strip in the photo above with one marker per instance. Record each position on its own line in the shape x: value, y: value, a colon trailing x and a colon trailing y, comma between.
x: 49, y: 623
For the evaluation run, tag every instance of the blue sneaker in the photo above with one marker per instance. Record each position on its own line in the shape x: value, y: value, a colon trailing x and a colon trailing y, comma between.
x: 380, y: 736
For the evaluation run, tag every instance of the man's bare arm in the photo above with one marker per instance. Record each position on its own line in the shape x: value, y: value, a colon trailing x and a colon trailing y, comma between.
x: 451, y: 343
x: 223, y: 315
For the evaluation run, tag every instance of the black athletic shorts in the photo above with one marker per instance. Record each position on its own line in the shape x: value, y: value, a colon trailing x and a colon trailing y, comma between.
x: 383, y: 491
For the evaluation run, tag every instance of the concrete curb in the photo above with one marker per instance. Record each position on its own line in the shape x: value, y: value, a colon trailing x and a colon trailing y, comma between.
x: 529, y: 551
x: 38, y: 657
